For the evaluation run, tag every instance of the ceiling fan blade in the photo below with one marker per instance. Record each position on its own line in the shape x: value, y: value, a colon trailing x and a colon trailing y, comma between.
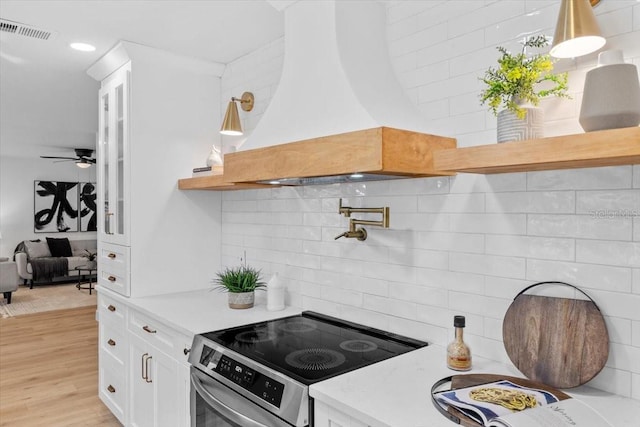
x: 66, y: 160
x: 91, y: 160
x: 57, y: 157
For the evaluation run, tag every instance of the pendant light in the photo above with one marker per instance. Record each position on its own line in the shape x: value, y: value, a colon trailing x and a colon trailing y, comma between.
x: 231, y: 124
x: 83, y: 163
x: 577, y: 31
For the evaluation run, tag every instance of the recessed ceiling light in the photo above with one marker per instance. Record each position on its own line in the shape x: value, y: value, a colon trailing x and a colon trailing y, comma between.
x: 83, y: 47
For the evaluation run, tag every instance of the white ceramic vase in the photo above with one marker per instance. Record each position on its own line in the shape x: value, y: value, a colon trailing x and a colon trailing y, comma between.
x: 511, y: 128
x: 611, y: 98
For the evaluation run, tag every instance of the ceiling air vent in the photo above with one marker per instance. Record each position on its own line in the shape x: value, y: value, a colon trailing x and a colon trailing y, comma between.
x: 25, y: 30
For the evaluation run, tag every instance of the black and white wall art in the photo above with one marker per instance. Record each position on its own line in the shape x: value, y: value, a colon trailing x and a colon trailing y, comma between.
x: 88, y: 214
x: 64, y: 206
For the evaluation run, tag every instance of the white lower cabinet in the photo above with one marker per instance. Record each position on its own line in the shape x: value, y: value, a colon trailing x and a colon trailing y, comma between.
x: 143, y: 367
x: 155, y: 388
x: 327, y: 416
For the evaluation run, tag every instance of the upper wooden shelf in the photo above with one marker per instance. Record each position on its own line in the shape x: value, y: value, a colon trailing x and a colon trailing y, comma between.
x: 215, y: 182
x: 593, y: 149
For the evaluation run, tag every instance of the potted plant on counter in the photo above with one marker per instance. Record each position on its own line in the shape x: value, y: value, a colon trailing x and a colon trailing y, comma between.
x: 513, y: 94
x: 241, y: 284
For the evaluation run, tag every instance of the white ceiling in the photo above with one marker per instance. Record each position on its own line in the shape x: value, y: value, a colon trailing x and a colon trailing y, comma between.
x: 48, y: 104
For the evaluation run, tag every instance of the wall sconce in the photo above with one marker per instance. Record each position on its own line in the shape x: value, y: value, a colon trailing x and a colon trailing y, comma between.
x: 577, y: 31
x: 231, y: 123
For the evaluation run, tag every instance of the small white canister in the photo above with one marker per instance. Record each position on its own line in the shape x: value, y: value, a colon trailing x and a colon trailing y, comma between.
x: 275, y: 294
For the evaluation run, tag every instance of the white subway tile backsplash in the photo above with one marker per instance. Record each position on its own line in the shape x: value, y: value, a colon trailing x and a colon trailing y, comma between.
x: 465, y: 244
x: 603, y: 277
x: 625, y: 254
x: 531, y: 247
x: 489, y: 265
x: 532, y: 202
x: 489, y: 223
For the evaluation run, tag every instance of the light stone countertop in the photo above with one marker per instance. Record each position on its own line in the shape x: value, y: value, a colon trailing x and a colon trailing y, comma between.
x: 396, y: 392
x: 191, y: 313
x: 392, y: 393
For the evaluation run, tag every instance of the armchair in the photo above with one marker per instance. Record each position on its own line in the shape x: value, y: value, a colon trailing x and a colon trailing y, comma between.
x: 9, y: 279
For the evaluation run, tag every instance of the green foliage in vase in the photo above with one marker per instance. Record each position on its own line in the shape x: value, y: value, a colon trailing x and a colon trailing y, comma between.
x: 514, y: 81
x: 91, y: 256
x: 239, y: 279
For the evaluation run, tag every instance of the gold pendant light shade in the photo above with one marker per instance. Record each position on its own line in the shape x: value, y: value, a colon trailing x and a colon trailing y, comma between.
x: 577, y: 32
x: 231, y: 123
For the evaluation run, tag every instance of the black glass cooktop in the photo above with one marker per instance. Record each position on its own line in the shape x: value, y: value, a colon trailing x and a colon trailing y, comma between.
x: 312, y: 347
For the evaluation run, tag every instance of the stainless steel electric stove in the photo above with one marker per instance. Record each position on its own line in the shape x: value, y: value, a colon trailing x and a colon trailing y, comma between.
x: 259, y: 375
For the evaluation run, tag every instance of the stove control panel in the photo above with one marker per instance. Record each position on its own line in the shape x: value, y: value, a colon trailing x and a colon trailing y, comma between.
x: 260, y: 385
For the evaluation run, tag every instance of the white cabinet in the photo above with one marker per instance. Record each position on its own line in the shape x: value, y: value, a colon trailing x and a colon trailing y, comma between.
x: 113, y: 157
x: 326, y: 416
x: 158, y: 119
x: 156, y: 397
x: 113, y: 349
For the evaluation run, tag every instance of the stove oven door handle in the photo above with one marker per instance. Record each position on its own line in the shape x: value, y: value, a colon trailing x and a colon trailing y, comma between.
x: 224, y: 410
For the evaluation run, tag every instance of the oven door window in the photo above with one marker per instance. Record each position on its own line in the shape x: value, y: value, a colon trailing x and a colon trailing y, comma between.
x: 207, y: 417
x: 215, y: 405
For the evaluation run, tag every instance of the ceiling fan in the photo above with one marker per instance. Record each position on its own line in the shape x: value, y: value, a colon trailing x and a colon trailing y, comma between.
x: 83, y: 158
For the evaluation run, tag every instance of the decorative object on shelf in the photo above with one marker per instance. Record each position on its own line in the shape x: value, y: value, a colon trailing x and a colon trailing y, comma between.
x: 611, y: 98
x: 214, y: 161
x: 512, y: 86
x: 577, y: 31
x: 241, y: 284
x: 231, y: 124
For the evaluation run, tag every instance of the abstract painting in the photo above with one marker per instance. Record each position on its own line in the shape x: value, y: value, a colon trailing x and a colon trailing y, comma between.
x: 88, y: 213
x: 55, y: 206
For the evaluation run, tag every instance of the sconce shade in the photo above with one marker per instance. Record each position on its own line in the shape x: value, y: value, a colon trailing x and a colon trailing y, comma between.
x: 231, y: 123
x: 577, y: 31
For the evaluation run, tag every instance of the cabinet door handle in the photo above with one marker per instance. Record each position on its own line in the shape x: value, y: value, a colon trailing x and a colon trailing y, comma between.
x: 111, y: 255
x: 142, y: 367
x: 111, y: 279
x: 107, y: 227
x: 111, y: 308
x: 186, y: 351
x: 147, y: 379
x: 111, y: 389
x: 149, y: 330
x: 111, y: 342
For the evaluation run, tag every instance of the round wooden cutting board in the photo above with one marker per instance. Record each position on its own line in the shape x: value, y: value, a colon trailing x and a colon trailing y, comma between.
x: 561, y: 342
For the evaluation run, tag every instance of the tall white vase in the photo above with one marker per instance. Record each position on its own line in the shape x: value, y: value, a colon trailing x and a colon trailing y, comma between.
x: 611, y: 98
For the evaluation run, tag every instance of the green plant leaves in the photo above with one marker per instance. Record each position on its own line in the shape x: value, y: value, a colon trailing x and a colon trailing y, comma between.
x: 239, y: 279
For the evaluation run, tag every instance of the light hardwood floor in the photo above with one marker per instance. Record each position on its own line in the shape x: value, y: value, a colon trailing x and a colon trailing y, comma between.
x: 49, y: 370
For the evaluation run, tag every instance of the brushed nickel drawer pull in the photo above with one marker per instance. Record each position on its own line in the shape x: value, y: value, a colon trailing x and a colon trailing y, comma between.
x: 111, y: 342
x: 111, y: 389
x: 148, y: 329
x: 111, y: 308
x: 142, y: 370
x: 112, y: 255
x: 111, y: 279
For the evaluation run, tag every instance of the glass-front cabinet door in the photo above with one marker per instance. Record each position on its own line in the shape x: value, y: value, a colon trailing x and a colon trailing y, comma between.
x: 113, y: 157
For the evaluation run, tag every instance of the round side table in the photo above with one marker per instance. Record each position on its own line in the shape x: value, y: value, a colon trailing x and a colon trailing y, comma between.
x: 88, y: 284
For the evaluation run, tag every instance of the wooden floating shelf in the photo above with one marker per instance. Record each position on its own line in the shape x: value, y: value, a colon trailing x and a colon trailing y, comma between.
x: 593, y: 149
x: 215, y: 183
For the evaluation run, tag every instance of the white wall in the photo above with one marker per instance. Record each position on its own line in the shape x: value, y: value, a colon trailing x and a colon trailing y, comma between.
x: 17, y: 175
x: 460, y: 245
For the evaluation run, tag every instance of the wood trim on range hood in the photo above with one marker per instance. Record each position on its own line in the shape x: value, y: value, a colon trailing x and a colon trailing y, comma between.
x: 382, y: 151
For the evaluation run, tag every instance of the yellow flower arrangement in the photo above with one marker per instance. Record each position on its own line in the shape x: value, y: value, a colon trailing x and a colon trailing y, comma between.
x: 514, y: 81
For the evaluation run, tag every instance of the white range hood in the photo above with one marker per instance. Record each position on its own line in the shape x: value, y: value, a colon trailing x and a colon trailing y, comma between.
x: 337, y: 79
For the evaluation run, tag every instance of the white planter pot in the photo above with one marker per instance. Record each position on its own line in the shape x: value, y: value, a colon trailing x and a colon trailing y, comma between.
x: 511, y: 128
x: 241, y: 300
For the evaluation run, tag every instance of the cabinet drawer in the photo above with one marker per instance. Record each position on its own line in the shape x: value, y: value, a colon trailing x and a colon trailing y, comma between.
x: 153, y: 332
x: 113, y: 341
x: 112, y: 311
x: 112, y: 385
x: 114, y: 268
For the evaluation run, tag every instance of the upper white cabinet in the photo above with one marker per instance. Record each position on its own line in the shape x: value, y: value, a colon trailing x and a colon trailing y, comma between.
x: 113, y: 157
x: 159, y: 116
